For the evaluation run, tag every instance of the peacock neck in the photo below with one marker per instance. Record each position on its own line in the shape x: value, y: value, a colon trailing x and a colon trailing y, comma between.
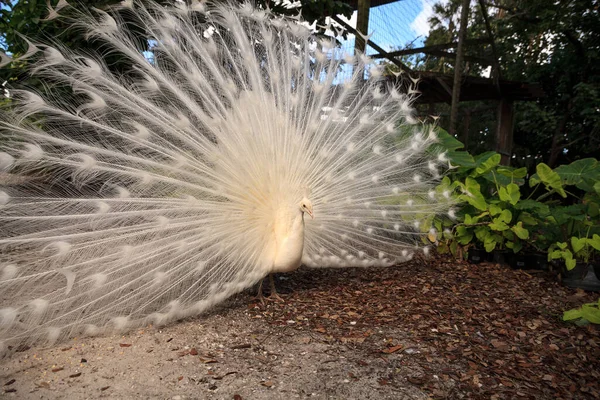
x: 290, y: 244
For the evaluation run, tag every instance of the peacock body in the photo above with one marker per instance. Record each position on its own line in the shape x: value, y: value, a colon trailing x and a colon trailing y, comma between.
x: 156, y: 194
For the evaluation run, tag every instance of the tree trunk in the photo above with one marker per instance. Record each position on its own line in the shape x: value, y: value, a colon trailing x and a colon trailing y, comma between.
x: 460, y: 50
x: 557, y: 139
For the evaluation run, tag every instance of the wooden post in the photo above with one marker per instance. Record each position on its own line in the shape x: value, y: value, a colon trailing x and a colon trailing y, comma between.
x: 504, y: 133
x: 362, y: 25
x: 466, y: 126
x: 460, y: 50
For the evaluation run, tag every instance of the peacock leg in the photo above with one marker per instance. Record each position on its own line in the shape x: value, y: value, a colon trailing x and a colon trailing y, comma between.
x: 274, y: 295
x: 259, y: 296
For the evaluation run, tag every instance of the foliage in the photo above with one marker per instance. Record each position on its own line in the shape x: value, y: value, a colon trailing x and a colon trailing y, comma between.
x: 579, y: 249
x: 589, y: 312
x: 503, y: 209
x: 28, y: 19
x: 490, y: 215
x: 555, y: 44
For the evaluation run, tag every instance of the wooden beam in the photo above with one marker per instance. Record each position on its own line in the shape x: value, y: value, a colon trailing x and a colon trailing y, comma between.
x: 479, y: 60
x: 462, y: 33
x: 372, y: 44
x: 428, y: 49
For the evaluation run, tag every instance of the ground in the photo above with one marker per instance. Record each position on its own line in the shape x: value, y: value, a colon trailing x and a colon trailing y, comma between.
x: 426, y: 329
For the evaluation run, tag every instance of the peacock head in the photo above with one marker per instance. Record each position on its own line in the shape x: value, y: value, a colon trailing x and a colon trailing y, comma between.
x: 306, y: 207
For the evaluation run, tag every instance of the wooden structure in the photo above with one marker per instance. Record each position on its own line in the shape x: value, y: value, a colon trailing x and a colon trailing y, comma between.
x: 452, y: 89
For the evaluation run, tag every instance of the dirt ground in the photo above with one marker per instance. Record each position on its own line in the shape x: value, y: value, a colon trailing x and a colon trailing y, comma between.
x: 434, y: 329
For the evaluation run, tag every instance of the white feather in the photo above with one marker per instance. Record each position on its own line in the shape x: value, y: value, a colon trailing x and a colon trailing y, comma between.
x: 164, y: 192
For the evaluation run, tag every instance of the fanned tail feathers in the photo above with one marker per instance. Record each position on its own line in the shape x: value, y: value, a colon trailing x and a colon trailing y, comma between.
x: 156, y: 190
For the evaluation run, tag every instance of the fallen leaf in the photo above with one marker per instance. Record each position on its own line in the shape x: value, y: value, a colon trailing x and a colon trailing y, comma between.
x: 392, y: 349
x: 499, y: 344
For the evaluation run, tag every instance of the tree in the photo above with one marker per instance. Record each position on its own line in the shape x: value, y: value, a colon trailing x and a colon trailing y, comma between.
x: 21, y: 19
x: 556, y: 44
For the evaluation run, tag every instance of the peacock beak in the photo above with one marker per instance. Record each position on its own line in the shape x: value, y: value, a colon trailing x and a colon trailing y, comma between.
x: 312, y: 216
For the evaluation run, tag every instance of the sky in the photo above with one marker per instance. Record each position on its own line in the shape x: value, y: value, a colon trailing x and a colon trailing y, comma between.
x: 394, y: 25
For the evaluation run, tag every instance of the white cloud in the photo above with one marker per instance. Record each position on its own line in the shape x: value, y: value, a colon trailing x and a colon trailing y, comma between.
x: 420, y: 25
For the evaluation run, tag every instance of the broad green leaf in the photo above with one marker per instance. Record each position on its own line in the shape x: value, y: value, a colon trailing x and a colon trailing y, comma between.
x: 578, y: 243
x: 528, y: 219
x: 595, y: 242
x: 487, y: 161
x: 474, y: 196
x: 472, y: 186
x: 494, y: 209
x: 482, y: 233
x: 549, y: 178
x: 463, y: 235
x: 517, y: 247
x: 461, y: 159
x: 572, y: 314
x: 574, y: 173
x: 590, y: 313
x: 569, y: 261
x: 508, y: 234
x: 505, y: 216
x: 513, y: 173
x: 468, y: 220
x: 533, y: 205
x: 454, y: 247
x: 521, y: 232
x: 500, y: 179
x: 510, y: 193
x: 448, y: 141
x: 498, y: 225
x: 554, y: 255
x: 489, y: 244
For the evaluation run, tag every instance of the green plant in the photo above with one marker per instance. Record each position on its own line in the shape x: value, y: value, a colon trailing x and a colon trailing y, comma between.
x: 582, y: 249
x: 589, y: 312
x: 573, y: 224
x: 492, y: 215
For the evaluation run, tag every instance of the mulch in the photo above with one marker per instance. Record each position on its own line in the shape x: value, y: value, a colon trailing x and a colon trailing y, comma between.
x: 473, y: 331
